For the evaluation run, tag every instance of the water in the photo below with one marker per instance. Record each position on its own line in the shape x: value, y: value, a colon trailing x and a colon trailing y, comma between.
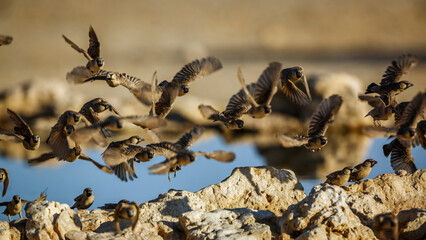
x: 66, y: 181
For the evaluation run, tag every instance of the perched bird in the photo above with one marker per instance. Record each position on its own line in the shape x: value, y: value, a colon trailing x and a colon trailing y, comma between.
x: 22, y: 132
x: 112, y: 206
x: 5, y: 40
x: 230, y: 121
x: 73, y: 154
x: 390, y: 82
x: 91, y: 109
x: 4, y: 177
x: 339, y: 177
x: 260, y: 93
x: 84, y: 200
x: 95, y: 62
x: 128, y: 211
x: 318, y: 125
x: 411, y: 116
x: 288, y: 77
x: 14, y: 207
x: 177, y: 153
x: 401, y: 157
x: 362, y: 170
x: 120, y: 155
x: 60, y: 131
x: 380, y: 110
x: 385, y: 226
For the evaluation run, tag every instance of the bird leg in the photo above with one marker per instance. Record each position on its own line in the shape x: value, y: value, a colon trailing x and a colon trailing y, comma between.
x: 20, y: 214
x: 117, y: 226
x: 8, y: 217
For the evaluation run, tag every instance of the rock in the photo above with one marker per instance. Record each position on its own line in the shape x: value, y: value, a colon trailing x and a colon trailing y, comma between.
x: 75, y: 235
x: 66, y: 221
x: 20, y: 225
x: 260, y: 188
x: 227, y: 224
x: 9, y: 232
x: 412, y: 224
x: 91, y: 221
x: 387, y: 193
x: 323, y: 214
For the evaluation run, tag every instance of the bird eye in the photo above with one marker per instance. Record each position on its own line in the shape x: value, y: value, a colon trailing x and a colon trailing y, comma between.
x: 268, y: 109
x: 185, y: 89
x: 36, y: 139
x: 299, y: 74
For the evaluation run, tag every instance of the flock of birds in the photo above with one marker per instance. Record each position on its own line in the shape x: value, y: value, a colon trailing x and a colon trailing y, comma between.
x: 66, y: 137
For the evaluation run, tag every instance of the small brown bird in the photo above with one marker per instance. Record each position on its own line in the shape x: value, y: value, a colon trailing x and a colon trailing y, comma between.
x: 91, y: 109
x: 380, y: 110
x: 362, y: 170
x: 401, y: 157
x: 411, y: 116
x: 385, y: 226
x: 260, y: 94
x: 4, y: 177
x: 84, y: 200
x: 177, y: 154
x: 390, y: 82
x: 120, y: 156
x: 23, y: 132
x: 318, y: 126
x: 128, y: 211
x: 231, y: 122
x: 288, y: 77
x: 5, y: 40
x: 95, y: 62
x: 421, y: 133
x: 112, y: 206
x: 14, y: 207
x: 339, y: 177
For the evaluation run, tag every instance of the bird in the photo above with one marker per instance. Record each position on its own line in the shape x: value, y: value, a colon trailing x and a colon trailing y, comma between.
x: 230, y: 121
x: 385, y: 226
x: 362, y: 170
x: 128, y: 211
x: 14, y: 207
x: 421, y: 132
x: 60, y: 131
x: 339, y: 177
x: 22, y: 132
x: 4, y: 177
x: 390, y: 82
x: 119, y: 156
x: 321, y: 119
x: 401, y: 157
x: 380, y: 110
x: 91, y: 109
x: 73, y: 154
x: 411, y: 116
x: 288, y: 77
x: 177, y: 154
x: 112, y: 206
x: 84, y: 200
x: 260, y: 93
x: 5, y: 40
x: 95, y: 62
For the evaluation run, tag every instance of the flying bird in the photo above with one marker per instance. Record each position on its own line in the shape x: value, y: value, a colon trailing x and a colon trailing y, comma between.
x: 391, y: 79
x: 318, y: 126
x: 411, y: 115
x: 5, y: 40
x: 288, y: 78
x: 93, y: 53
x: 4, y: 177
x: 380, y: 110
x: 84, y: 200
x: 401, y: 157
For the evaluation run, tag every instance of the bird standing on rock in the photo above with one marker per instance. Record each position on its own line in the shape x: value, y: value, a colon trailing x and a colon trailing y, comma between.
x: 128, y: 211
x: 318, y: 125
x: 14, y: 207
x: 84, y: 200
x: 362, y: 170
x: 339, y: 177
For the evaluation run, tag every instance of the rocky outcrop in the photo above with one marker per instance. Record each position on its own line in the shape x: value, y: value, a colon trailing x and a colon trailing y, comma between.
x: 412, y: 224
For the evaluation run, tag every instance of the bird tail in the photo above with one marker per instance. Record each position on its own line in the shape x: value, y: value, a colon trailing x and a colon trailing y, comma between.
x: 370, y: 88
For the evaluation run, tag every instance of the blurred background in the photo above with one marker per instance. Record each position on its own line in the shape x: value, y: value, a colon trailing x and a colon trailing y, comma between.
x: 342, y: 46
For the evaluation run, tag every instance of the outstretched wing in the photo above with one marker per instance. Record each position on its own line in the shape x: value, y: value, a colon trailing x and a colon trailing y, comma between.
x: 146, y: 121
x: 401, y: 158
x: 94, y: 49
x: 197, y: 69
x: 398, y: 68
x: 164, y: 105
x: 77, y: 48
x: 237, y: 105
x: 222, y: 156
x: 163, y: 167
x: 291, y: 140
x: 293, y: 92
x: 59, y: 142
x: 374, y: 101
x: 324, y: 115
x: 267, y: 84
x: 414, y: 110
x: 21, y: 127
x: 190, y: 137
x: 39, y: 160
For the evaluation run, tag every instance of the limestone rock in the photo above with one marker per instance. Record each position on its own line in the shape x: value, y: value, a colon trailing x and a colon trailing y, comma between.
x: 387, y: 193
x: 75, y: 235
x: 412, y: 224
x: 91, y: 221
x: 324, y: 213
x: 260, y: 188
x: 9, y: 232
x: 227, y: 224
x: 66, y: 221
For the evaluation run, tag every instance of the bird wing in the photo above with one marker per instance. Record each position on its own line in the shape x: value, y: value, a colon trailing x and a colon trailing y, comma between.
x: 237, y: 105
x: 267, y: 84
x: 414, y: 110
x: 117, y: 153
x: 59, y: 142
x: 21, y: 127
x: 398, y: 68
x: 94, y: 49
x: 163, y: 167
x: 374, y: 101
x: 190, y: 137
x: 294, y: 93
x: 401, y: 158
x: 44, y: 157
x: 197, y: 69
x: 420, y: 133
x: 208, y: 112
x: 77, y: 48
x: 98, y: 165
x: 125, y: 170
x: 165, y: 149
x: 5, y: 181
x: 324, y: 115
x: 164, y: 105
x: 9, y: 136
x: 222, y: 156
x: 248, y: 94
x: 146, y: 121
x: 291, y: 140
